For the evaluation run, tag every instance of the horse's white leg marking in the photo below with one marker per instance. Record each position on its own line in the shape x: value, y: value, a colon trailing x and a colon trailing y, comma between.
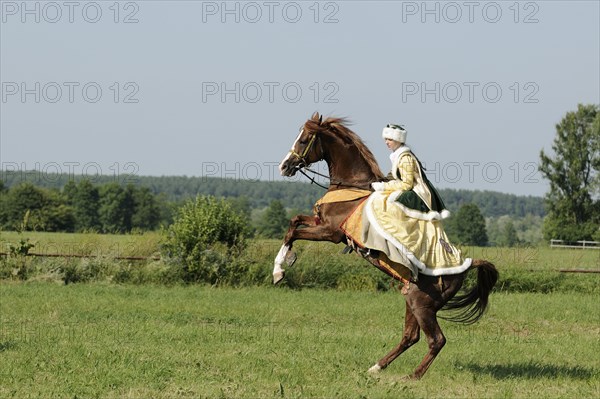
x: 279, y: 259
x: 375, y: 369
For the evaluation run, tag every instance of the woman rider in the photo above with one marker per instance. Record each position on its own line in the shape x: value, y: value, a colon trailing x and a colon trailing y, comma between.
x: 415, y: 193
x: 402, y: 219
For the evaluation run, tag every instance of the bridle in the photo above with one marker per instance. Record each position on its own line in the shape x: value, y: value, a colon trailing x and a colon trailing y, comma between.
x: 304, y: 166
x: 302, y: 157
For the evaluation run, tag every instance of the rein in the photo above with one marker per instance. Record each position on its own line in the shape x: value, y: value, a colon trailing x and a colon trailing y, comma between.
x: 312, y: 179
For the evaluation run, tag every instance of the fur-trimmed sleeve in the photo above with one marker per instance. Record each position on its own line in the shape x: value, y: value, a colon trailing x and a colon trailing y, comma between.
x: 407, y: 169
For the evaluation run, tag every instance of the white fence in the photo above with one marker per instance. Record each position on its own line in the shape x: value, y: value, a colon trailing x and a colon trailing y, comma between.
x: 576, y: 244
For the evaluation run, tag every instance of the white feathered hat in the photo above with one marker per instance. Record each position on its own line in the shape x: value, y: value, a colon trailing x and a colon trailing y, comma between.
x: 394, y: 132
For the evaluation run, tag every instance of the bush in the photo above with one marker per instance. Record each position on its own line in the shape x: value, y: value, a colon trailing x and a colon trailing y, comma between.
x: 16, y: 263
x: 86, y: 270
x: 205, y: 240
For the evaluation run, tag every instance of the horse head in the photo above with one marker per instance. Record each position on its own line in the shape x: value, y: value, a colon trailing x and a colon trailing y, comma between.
x: 348, y: 158
x: 307, y: 148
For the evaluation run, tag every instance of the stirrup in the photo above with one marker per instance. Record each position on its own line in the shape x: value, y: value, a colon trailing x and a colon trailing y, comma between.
x: 347, y: 250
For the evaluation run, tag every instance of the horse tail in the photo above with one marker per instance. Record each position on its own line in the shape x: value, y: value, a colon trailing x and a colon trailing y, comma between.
x: 474, y: 301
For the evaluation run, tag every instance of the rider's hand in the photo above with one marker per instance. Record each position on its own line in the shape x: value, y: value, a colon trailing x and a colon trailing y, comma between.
x: 378, y: 186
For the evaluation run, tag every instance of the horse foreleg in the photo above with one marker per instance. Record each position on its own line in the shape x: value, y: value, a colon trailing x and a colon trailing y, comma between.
x: 435, y: 339
x: 312, y: 232
x: 285, y: 253
x: 409, y: 338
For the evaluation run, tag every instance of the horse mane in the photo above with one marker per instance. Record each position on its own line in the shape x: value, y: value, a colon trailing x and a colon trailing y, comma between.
x: 338, y: 127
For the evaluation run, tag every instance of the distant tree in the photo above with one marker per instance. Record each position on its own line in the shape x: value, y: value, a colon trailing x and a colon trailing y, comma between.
x: 70, y: 192
x: 509, y: 235
x: 116, y: 208
x: 59, y: 217
x: 596, y: 236
x: 85, y: 202
x: 46, y: 209
x: 3, y: 205
x: 21, y: 199
x: 167, y: 209
x: 147, y: 210
x: 241, y: 205
x: 573, y: 213
x: 529, y: 229
x: 469, y: 226
x: 274, y: 222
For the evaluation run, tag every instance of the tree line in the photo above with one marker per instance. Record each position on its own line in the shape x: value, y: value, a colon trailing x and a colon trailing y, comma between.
x: 114, y: 208
x: 82, y: 206
x: 105, y: 204
x: 294, y: 195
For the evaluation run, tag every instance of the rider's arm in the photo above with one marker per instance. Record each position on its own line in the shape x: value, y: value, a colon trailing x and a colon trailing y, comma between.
x: 407, y: 168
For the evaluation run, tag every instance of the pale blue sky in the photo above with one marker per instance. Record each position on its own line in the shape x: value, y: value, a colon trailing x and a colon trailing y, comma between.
x: 375, y: 62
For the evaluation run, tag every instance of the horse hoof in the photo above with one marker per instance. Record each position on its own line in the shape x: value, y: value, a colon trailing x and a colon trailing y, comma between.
x: 375, y: 369
x: 290, y: 258
x: 278, y: 276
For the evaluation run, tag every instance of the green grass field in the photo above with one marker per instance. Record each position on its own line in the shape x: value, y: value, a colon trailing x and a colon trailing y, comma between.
x: 126, y: 341
x: 102, y: 245
x: 125, y: 333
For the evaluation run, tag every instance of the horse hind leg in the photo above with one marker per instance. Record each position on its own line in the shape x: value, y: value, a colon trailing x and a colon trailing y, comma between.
x: 409, y: 338
x: 426, y: 317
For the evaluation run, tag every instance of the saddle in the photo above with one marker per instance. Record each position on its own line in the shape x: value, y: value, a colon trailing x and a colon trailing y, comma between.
x: 352, y: 228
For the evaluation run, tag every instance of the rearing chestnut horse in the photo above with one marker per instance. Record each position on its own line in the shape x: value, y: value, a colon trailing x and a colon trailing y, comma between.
x: 351, y: 164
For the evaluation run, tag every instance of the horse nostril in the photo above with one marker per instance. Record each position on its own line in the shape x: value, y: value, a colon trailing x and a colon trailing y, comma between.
x: 283, y: 166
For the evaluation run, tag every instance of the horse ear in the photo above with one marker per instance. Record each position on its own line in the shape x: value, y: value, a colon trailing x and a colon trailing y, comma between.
x: 316, y: 117
x: 320, y: 119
